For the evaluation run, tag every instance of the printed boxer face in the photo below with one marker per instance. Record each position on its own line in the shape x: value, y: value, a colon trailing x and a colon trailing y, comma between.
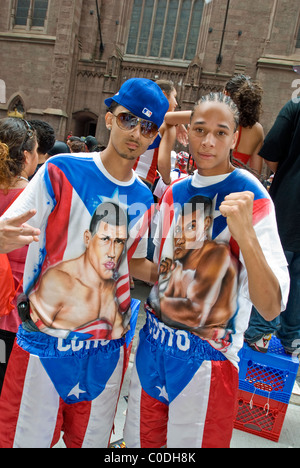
x: 189, y: 233
x: 105, y: 248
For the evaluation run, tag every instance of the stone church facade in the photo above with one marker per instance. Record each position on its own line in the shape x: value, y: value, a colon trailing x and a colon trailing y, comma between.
x: 61, y: 58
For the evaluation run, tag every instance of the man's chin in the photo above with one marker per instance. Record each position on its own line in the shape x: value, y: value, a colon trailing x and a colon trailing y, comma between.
x: 128, y: 157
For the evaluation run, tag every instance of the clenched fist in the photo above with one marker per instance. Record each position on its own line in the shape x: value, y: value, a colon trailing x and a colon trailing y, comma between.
x: 237, y: 208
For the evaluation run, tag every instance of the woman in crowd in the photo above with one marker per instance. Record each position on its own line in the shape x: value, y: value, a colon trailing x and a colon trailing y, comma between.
x: 247, y: 96
x: 18, y: 161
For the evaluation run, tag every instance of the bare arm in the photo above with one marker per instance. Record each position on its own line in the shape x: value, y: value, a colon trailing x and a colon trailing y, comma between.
x: 264, y: 288
x: 258, y: 139
x: 178, y: 117
x: 256, y: 161
x: 271, y: 165
x: 202, y: 297
x: 143, y: 269
x: 164, y: 153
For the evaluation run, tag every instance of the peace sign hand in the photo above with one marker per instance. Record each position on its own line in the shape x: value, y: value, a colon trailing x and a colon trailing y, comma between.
x: 15, y: 233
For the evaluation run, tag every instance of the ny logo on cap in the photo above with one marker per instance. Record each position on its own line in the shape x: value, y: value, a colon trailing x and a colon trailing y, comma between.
x: 147, y: 112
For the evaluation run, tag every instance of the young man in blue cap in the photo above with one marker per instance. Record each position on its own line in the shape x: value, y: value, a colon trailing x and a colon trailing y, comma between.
x: 63, y: 376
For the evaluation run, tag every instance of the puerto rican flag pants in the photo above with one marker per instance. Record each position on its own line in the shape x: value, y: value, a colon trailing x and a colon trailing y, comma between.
x: 75, y: 390
x: 183, y: 392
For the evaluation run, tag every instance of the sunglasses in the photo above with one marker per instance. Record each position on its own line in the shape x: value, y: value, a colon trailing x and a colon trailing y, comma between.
x: 127, y: 121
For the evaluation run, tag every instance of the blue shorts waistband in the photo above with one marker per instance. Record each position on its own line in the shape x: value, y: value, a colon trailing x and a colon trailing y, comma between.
x: 46, y: 346
x: 182, y: 342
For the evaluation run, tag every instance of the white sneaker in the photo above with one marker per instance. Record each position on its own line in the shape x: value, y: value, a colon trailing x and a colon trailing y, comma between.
x: 262, y: 344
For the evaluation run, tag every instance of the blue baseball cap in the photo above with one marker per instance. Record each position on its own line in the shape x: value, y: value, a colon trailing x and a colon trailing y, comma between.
x: 143, y: 98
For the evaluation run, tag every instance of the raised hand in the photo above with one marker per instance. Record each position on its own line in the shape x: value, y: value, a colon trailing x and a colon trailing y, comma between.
x: 15, y: 233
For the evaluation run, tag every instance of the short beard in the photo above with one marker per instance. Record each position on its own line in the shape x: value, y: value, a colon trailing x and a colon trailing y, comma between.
x: 125, y: 156
x: 128, y: 157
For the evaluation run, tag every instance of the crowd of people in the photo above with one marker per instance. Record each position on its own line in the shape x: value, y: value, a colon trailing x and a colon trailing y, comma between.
x: 220, y: 251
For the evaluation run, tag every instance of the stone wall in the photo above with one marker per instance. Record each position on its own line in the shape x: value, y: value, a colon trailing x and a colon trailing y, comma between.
x: 62, y: 74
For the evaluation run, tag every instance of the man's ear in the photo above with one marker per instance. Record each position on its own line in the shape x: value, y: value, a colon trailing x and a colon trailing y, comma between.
x: 235, y: 139
x: 108, y: 120
x: 207, y: 222
x: 87, y: 236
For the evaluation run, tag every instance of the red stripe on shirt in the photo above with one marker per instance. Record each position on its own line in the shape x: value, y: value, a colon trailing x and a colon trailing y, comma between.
x: 261, y: 208
x: 145, y: 222
x: 58, y: 221
x: 168, y: 216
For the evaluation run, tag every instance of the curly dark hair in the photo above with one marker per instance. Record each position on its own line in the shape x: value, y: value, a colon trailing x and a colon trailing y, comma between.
x: 16, y: 136
x: 247, y: 95
x: 45, y: 135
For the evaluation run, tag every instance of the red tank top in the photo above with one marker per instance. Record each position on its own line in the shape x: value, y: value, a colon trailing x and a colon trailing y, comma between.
x: 243, y: 157
x: 17, y: 259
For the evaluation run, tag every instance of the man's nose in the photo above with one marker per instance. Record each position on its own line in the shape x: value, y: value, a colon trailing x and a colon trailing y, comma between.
x: 111, y: 250
x: 136, y: 131
x: 179, y: 239
x: 208, y: 140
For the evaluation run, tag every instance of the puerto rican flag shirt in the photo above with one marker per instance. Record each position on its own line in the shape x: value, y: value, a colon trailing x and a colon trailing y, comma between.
x: 66, y: 192
x: 146, y: 164
x: 229, y: 338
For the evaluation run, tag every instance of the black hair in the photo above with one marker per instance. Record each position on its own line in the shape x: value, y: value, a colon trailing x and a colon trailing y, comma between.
x: 45, y: 135
x: 222, y: 98
x: 110, y: 213
x: 194, y: 202
x: 113, y: 107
